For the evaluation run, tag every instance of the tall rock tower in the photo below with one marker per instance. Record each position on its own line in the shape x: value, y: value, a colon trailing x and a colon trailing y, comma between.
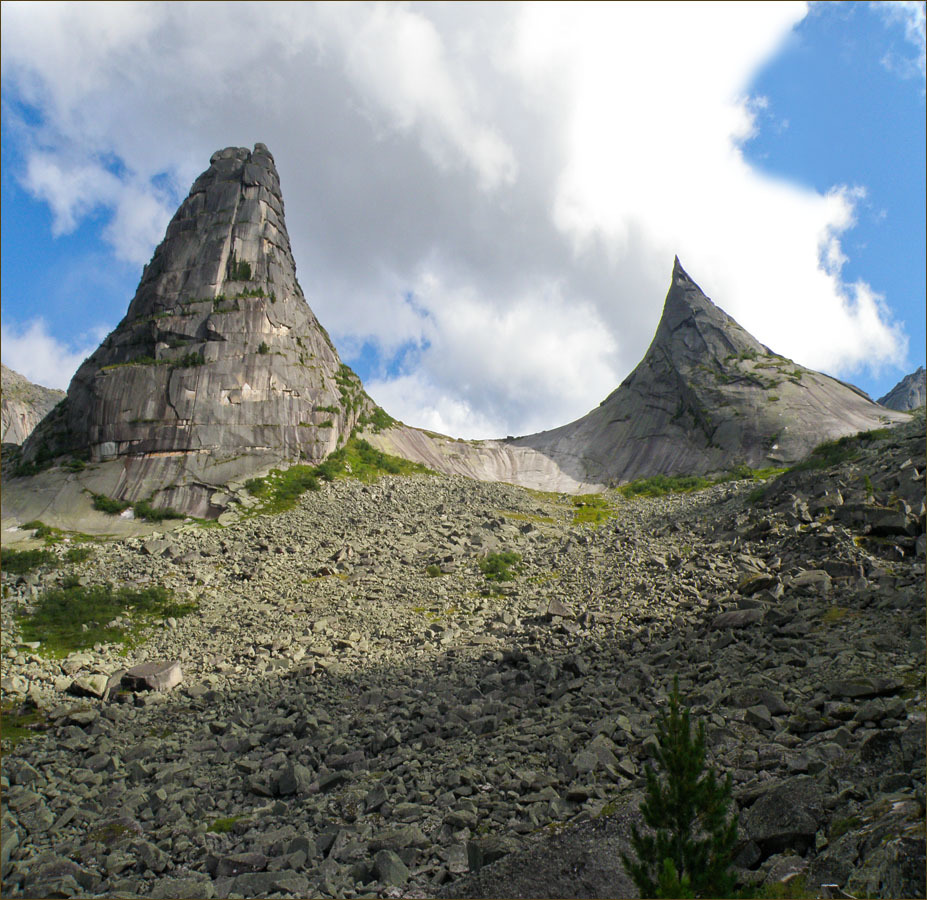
x: 219, y: 367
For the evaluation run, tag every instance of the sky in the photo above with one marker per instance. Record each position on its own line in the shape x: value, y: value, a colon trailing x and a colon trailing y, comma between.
x: 484, y: 200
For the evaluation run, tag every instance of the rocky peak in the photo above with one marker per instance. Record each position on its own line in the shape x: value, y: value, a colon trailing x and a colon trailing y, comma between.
x: 909, y: 393
x: 219, y: 368
x: 692, y: 328
x: 706, y: 397
x: 23, y: 405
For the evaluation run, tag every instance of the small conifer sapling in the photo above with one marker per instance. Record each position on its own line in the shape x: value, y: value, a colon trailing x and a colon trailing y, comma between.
x: 690, y: 843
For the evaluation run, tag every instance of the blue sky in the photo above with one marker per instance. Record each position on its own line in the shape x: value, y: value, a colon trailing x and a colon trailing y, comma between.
x: 484, y: 201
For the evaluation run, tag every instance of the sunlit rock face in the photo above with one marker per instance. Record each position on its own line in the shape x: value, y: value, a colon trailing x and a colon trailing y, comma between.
x: 23, y: 405
x: 219, y: 367
x: 706, y: 397
x: 909, y: 393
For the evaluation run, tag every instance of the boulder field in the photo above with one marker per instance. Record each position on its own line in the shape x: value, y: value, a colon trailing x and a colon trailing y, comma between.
x: 362, y: 712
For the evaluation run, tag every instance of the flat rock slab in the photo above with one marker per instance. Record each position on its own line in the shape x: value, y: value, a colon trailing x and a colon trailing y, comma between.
x: 153, y: 676
x: 737, y: 618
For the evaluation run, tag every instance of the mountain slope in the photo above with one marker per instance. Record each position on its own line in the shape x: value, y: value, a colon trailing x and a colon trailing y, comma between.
x: 707, y: 396
x: 23, y: 405
x: 219, y: 368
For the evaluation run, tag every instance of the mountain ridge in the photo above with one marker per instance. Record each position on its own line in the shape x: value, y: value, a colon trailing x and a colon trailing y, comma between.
x: 909, y: 393
x: 23, y: 406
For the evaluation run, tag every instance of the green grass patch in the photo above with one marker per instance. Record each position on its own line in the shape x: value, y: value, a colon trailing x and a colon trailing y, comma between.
x: 42, y: 530
x: 832, y: 453
x: 840, y: 827
x: 433, y: 571
x: 74, y: 617
x: 77, y: 554
x: 224, y: 826
x: 19, y: 722
x: 280, y: 490
x: 19, y: 562
x: 526, y: 517
x: 591, y: 509
x: 660, y: 485
x: 379, y: 420
x: 498, y: 566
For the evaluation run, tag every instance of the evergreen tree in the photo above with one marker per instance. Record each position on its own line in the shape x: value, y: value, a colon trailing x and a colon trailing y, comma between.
x: 692, y: 844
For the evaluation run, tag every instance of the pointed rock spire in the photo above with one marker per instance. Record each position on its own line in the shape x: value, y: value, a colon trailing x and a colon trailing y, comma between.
x: 706, y: 397
x: 219, y: 367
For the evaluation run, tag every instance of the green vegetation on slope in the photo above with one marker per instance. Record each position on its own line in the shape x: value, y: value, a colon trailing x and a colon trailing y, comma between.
x: 281, y: 489
x: 498, y: 566
x: 74, y: 616
x: 832, y: 453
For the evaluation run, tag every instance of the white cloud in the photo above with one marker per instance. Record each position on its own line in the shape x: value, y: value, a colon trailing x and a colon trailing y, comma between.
x: 527, y: 172
x: 30, y: 350
x: 140, y: 213
x: 910, y: 14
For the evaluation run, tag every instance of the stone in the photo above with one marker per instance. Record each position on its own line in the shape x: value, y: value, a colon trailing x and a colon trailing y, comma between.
x: 89, y: 686
x: 787, y: 816
x: 294, y: 779
x: 153, y: 676
x: 737, y: 618
x: 485, y: 850
x: 556, y: 608
x: 236, y: 864
x: 862, y: 687
x: 389, y: 869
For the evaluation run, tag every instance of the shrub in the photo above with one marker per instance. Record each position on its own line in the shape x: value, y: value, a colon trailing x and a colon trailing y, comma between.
x: 691, y: 846
x: 18, y: 562
x: 498, y: 566
x: 433, y: 571
x: 263, y: 349
x: 144, y: 509
x: 105, y: 504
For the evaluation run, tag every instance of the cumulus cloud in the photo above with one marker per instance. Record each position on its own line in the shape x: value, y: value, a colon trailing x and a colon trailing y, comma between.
x: 42, y: 358
x: 502, y: 187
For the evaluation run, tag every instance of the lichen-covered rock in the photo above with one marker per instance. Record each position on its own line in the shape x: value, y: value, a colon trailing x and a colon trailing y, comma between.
x: 219, y: 368
x: 787, y: 816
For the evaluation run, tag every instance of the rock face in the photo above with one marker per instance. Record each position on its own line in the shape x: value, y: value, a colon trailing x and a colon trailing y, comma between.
x: 219, y: 368
x: 909, y: 393
x: 706, y: 397
x: 23, y: 406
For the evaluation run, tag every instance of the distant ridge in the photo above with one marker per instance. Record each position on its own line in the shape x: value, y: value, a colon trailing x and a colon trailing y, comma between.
x: 909, y: 393
x: 23, y: 405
